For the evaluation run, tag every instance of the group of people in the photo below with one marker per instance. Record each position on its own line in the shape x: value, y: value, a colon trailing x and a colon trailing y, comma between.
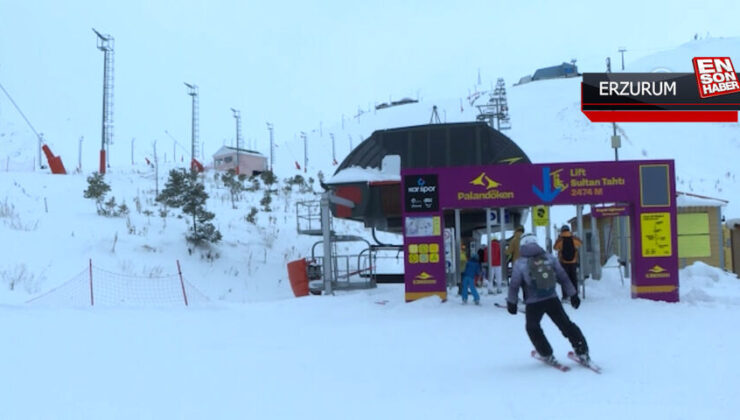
x: 537, y: 273
x: 477, y: 267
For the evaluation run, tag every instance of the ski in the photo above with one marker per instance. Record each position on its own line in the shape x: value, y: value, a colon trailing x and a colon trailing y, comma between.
x: 590, y: 365
x: 503, y: 306
x: 557, y: 365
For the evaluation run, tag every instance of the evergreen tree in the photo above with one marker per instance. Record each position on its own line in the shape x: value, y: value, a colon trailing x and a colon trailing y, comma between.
x: 268, y: 178
x: 266, y: 200
x: 204, y: 231
x: 254, y: 184
x: 234, y: 184
x: 96, y: 190
x: 183, y: 190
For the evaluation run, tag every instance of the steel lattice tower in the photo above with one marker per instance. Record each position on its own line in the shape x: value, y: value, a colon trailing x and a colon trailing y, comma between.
x: 502, y: 107
x: 238, y: 118
x: 105, y: 43
x: 195, y: 121
x: 496, y: 109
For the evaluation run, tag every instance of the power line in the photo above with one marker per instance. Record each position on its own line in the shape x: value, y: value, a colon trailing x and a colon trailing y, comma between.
x: 38, y: 136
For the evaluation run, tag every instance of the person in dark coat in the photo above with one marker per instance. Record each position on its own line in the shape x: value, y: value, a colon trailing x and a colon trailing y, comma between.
x: 544, y: 301
x: 567, y: 246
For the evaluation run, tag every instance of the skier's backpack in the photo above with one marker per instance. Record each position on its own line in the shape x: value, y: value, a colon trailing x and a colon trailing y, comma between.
x: 568, y: 251
x: 542, y: 274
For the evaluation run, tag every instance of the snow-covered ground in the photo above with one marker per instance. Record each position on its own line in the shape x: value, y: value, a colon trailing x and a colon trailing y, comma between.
x: 253, y: 351
x: 369, y: 355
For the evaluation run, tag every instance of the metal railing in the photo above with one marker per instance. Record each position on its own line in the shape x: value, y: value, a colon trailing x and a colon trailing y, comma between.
x: 350, y: 272
x: 308, y: 217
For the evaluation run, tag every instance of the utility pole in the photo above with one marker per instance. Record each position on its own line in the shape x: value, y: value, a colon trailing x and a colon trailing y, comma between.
x: 79, y: 155
x: 333, y: 150
x: 175, y: 143
x: 41, y: 144
x: 616, y: 141
x: 269, y: 127
x: 156, y: 169
x: 105, y: 44
x: 622, y: 50
x: 305, y: 152
x: 238, y: 118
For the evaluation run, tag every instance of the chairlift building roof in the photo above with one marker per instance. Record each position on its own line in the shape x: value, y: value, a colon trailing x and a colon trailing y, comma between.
x: 377, y: 198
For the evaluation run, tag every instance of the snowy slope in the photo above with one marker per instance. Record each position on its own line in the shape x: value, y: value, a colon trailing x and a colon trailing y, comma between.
x: 548, y: 125
x: 369, y: 355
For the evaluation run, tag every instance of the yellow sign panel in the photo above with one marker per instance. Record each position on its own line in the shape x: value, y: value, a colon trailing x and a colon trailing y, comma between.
x: 655, y: 229
x: 423, y: 253
x: 541, y: 215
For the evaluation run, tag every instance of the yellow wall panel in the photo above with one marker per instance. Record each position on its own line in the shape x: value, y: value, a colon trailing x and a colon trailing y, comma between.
x: 694, y: 246
x: 693, y: 223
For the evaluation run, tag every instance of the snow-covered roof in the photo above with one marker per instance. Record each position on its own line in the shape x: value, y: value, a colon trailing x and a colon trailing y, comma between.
x: 228, y: 150
x: 733, y: 223
x: 390, y: 170
x: 357, y: 174
x: 684, y: 199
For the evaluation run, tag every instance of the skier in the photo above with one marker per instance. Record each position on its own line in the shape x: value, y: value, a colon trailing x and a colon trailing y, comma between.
x: 537, y: 272
x: 472, y: 269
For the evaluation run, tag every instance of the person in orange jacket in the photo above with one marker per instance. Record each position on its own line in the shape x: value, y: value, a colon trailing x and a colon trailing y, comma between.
x: 567, y: 246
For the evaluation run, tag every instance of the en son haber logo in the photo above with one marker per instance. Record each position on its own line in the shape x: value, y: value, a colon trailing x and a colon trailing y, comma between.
x: 715, y: 76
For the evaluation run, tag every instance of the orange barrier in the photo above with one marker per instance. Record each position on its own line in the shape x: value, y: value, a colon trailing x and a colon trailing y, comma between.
x: 298, y: 275
x: 55, y: 162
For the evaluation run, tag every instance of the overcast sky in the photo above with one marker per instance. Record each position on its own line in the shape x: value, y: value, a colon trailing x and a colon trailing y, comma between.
x: 297, y: 63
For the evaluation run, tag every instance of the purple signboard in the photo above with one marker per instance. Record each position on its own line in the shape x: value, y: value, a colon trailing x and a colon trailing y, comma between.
x: 423, y: 232
x: 647, y: 187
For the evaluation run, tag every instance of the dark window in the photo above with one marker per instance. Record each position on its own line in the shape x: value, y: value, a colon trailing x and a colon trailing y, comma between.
x: 654, y: 186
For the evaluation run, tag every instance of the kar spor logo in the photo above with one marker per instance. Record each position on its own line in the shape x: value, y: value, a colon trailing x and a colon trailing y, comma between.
x: 715, y: 76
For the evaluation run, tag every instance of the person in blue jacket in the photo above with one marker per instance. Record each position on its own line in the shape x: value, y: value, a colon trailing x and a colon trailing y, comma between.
x: 528, y: 274
x: 472, y: 269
